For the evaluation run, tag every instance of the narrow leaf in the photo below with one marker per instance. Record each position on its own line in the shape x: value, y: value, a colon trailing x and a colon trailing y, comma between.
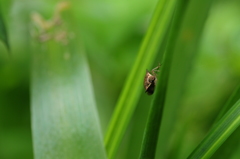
x: 220, y: 132
x: 234, y: 97
x: 133, y: 87
x: 155, y: 117
x: 3, y: 30
x: 231, y: 145
x: 185, y: 53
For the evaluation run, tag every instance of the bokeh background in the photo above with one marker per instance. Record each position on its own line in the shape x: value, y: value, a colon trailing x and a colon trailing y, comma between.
x: 112, y: 32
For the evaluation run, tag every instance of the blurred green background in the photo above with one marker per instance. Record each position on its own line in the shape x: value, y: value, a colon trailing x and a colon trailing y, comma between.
x: 112, y: 32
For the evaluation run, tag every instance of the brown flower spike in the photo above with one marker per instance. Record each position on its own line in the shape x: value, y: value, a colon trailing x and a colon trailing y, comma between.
x: 150, y: 80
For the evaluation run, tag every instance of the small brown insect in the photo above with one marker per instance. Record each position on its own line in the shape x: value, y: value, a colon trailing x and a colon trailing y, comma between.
x: 150, y: 80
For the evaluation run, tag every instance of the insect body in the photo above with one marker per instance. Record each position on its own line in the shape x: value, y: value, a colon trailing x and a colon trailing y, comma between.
x: 150, y: 80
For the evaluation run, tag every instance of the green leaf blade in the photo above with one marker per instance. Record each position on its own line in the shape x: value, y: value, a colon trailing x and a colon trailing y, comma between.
x: 3, y: 31
x: 133, y: 87
x: 185, y: 53
x: 149, y: 144
x: 220, y: 132
x: 234, y: 97
x: 64, y: 117
x: 230, y: 146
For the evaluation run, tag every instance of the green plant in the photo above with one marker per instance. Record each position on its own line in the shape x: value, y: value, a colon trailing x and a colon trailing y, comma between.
x: 71, y: 46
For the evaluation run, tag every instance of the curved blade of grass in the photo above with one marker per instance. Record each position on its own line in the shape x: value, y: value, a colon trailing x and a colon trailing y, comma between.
x: 185, y: 53
x: 231, y: 145
x: 150, y: 139
x: 220, y: 132
x: 3, y: 30
x: 234, y: 97
x: 133, y: 87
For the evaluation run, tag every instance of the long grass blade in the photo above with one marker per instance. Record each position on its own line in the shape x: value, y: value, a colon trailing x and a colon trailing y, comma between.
x: 133, y: 87
x: 234, y: 97
x: 149, y: 144
x: 3, y: 30
x: 220, y: 132
x: 185, y: 53
x: 231, y: 145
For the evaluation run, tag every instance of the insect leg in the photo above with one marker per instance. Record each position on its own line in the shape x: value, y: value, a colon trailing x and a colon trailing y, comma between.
x: 154, y: 70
